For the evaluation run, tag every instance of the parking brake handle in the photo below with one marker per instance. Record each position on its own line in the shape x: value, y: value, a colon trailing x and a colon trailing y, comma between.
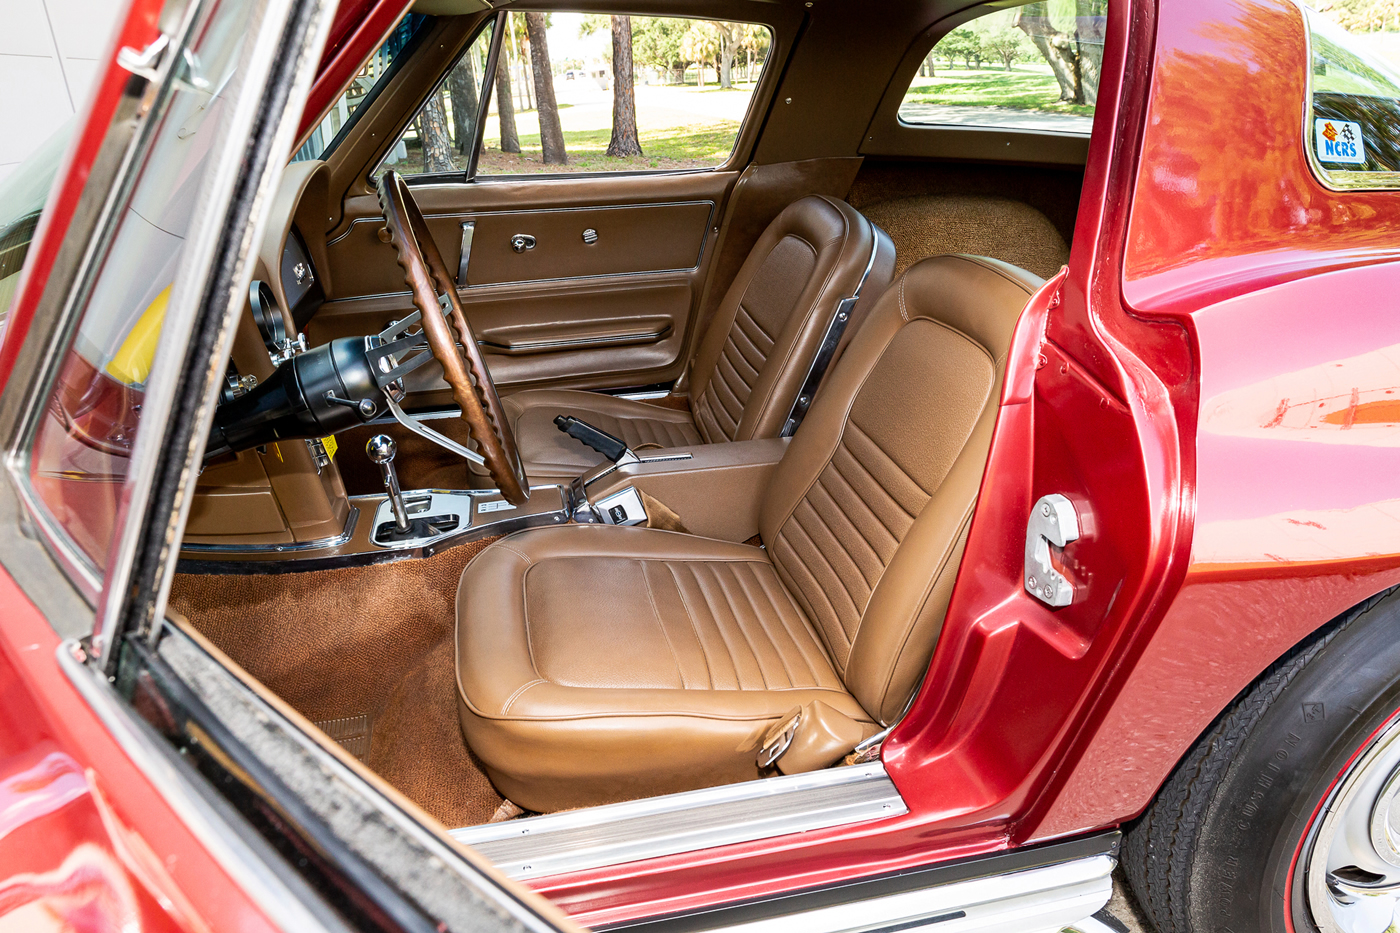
x: 614, y: 448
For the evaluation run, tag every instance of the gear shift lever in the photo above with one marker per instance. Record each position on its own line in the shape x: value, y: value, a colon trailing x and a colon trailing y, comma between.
x: 381, y: 449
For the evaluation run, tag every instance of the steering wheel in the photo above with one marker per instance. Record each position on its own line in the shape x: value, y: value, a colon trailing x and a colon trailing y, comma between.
x: 433, y: 293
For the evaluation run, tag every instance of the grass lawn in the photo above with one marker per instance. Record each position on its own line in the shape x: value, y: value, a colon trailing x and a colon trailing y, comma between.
x: 672, y: 147
x: 1025, y: 87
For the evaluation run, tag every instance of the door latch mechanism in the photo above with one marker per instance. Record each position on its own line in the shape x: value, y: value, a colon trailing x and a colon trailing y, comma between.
x: 1052, y: 521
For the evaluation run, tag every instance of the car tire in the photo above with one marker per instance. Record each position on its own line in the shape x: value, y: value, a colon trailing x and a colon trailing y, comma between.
x: 1237, y: 839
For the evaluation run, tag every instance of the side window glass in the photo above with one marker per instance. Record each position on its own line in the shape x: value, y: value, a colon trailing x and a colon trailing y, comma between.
x: 581, y: 92
x: 1033, y: 67
x: 1354, y: 134
x: 442, y: 133
x: 372, y: 76
x: 85, y: 433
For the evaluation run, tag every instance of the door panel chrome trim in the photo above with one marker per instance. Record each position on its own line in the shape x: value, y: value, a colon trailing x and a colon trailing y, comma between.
x: 698, y: 819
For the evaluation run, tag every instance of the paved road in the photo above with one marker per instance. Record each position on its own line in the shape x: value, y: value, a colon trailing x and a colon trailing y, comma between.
x: 995, y: 116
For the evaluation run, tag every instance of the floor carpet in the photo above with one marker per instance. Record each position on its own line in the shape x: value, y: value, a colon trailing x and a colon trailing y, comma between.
x: 364, y: 641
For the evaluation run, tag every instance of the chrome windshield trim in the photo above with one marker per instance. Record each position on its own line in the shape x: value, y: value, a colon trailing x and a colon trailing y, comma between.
x: 223, y: 841
x: 700, y: 819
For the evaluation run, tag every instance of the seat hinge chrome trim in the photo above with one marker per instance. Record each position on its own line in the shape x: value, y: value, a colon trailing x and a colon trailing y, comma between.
x: 845, y: 310
x: 1048, y: 899
x: 698, y: 819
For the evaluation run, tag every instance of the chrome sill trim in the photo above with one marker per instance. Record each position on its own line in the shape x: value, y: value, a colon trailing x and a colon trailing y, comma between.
x: 1038, y: 900
x: 699, y: 819
x: 246, y: 868
x: 644, y: 396
x: 316, y: 545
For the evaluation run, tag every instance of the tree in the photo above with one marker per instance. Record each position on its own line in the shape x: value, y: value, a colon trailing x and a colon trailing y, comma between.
x: 624, y: 140
x: 729, y: 43
x: 461, y: 84
x: 551, y: 132
x: 505, y: 107
x: 1363, y: 15
x: 1006, y: 44
x: 1075, y: 57
x: 963, y: 42
x: 432, y: 133
x: 700, y: 45
x: 656, y: 43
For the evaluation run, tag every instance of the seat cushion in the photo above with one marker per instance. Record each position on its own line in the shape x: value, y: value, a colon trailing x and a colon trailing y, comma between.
x: 551, y: 456
x: 599, y: 663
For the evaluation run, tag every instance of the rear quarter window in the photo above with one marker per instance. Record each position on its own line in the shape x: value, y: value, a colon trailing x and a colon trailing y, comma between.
x: 1353, y: 127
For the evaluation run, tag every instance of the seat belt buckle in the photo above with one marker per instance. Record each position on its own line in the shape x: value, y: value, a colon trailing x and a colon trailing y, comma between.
x: 779, y: 739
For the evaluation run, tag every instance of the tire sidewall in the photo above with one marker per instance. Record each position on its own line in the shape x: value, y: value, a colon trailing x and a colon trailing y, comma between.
x: 1247, y: 869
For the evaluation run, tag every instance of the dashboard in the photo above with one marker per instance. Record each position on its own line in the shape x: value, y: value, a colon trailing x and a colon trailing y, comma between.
x: 300, y: 284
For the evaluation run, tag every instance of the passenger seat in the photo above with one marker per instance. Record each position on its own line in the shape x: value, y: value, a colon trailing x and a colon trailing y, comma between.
x: 754, y: 357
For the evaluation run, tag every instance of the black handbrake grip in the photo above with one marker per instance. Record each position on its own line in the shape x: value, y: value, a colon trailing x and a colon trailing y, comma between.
x: 606, y: 444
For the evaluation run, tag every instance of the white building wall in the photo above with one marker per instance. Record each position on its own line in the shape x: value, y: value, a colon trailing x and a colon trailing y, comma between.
x: 49, y: 54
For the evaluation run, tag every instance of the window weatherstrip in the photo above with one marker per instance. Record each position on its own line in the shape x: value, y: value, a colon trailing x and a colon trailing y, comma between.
x: 488, y: 86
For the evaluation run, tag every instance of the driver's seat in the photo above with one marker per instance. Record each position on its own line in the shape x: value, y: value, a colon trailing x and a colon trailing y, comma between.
x: 598, y: 663
x: 755, y: 354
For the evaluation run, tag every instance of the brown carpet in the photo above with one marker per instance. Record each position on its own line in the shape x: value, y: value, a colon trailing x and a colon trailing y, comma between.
x: 365, y: 640
x: 931, y: 225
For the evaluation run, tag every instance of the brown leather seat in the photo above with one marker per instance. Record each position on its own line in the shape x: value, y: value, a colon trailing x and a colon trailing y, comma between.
x: 754, y: 357
x: 598, y: 663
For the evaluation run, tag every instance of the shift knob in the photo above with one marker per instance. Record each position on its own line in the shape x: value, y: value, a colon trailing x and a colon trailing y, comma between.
x: 381, y: 449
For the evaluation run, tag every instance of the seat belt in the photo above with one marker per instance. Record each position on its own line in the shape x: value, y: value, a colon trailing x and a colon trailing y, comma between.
x: 827, y: 350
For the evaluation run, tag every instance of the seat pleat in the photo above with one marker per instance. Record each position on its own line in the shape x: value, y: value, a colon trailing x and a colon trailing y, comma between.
x: 874, y: 506
x: 799, y: 633
x: 887, y: 474
x: 816, y: 521
x: 747, y: 652
x: 724, y: 673
x: 674, y: 618
x: 807, y: 589
x: 750, y: 339
x: 834, y: 509
x: 730, y: 388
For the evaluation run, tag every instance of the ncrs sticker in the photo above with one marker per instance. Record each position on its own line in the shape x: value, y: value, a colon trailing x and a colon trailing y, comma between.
x: 1338, y: 141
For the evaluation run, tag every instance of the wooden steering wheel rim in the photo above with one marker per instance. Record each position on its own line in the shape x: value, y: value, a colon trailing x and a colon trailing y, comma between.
x: 462, y: 366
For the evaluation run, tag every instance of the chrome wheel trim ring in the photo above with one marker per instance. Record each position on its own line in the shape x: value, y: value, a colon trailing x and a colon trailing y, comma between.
x: 1352, y: 866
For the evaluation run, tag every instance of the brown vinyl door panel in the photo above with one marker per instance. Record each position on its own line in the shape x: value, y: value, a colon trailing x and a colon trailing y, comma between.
x: 613, y: 309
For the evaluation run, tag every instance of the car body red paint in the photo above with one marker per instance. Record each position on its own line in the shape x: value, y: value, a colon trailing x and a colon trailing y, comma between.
x: 1188, y: 382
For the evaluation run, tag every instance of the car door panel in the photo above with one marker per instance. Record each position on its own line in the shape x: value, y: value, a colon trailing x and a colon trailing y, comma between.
x: 618, y: 311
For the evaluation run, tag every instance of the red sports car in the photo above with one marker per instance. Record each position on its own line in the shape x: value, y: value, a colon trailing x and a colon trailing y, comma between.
x: 669, y: 465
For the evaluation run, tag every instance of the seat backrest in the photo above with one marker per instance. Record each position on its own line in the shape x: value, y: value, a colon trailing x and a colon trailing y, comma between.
x: 760, y: 343
x: 867, y: 514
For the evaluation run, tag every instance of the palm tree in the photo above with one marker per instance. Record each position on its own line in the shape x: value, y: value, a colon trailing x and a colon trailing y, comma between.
x: 551, y: 133
x: 624, y: 140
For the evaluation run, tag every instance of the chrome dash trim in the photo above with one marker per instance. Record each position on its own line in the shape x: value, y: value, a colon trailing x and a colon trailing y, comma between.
x: 698, y: 819
x: 316, y: 545
x: 1037, y: 900
x: 260, y: 880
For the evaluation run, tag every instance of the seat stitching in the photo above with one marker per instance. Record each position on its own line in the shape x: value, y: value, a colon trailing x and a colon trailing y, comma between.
x: 893, y: 462
x: 743, y: 585
x: 757, y: 660
x: 754, y: 321
x: 646, y: 580
x: 856, y: 604
x: 834, y: 611
x: 729, y: 386
x: 837, y: 474
x: 859, y: 535
x: 524, y: 557
x: 704, y: 655
x: 743, y: 332
x: 903, y: 311
x: 510, y: 700
x: 719, y: 629
x: 781, y: 615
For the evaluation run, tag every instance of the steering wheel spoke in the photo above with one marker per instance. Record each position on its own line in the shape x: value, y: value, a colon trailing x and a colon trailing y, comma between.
x: 449, y: 337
